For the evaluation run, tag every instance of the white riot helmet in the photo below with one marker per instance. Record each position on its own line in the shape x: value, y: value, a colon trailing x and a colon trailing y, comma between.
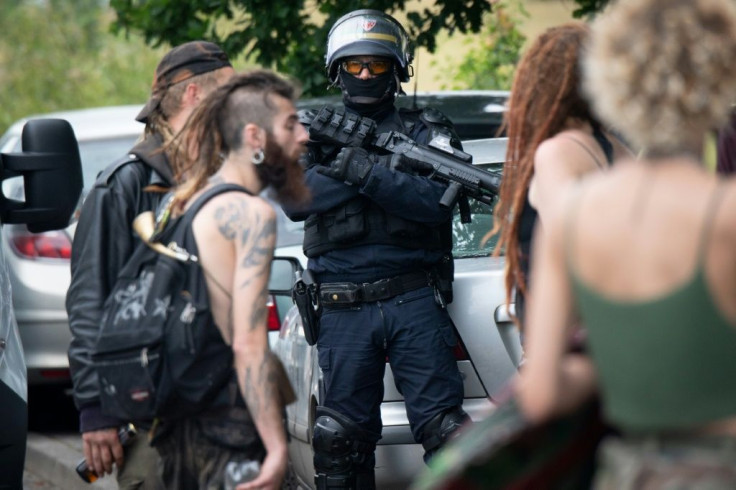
x: 368, y: 33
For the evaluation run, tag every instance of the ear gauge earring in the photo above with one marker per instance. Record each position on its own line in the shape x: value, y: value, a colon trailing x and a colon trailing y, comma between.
x: 258, y: 157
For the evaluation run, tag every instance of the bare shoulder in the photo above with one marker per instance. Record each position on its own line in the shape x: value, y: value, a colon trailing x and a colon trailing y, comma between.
x: 553, y: 147
x: 569, y: 138
x: 572, y: 149
x: 233, y: 215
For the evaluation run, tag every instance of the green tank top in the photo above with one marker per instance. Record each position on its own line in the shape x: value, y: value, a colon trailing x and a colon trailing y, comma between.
x: 664, y: 364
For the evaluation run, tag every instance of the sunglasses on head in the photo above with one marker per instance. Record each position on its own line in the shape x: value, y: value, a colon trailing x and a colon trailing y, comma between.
x: 376, y: 67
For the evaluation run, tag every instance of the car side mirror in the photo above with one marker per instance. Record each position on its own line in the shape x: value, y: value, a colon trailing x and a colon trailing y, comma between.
x: 284, y: 272
x: 52, y: 176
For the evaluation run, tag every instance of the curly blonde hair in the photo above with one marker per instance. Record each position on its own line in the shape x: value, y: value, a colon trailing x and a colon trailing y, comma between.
x: 662, y: 72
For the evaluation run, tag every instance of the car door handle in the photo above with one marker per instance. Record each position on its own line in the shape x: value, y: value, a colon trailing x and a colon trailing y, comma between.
x: 502, y: 315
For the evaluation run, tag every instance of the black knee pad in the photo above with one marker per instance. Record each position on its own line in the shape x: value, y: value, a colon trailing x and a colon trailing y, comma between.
x: 340, y: 448
x: 441, y: 428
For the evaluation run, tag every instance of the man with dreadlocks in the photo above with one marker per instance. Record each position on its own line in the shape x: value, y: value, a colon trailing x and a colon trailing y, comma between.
x: 104, y: 241
x: 554, y: 139
x: 245, y: 133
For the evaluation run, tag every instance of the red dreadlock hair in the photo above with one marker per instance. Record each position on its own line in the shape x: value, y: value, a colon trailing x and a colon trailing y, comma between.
x: 545, y: 94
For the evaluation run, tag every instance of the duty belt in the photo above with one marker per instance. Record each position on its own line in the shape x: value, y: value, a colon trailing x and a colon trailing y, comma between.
x: 345, y: 293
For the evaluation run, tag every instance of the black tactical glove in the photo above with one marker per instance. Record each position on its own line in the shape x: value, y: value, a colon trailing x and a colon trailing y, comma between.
x: 351, y: 166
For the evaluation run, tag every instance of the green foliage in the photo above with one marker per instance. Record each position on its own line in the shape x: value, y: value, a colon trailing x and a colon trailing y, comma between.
x: 491, y: 63
x: 59, y: 54
x: 284, y: 36
x: 588, y: 8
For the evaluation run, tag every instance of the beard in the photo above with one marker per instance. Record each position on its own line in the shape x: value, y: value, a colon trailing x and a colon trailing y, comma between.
x: 283, y: 174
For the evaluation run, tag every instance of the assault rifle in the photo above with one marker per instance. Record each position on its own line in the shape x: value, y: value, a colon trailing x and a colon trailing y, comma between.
x: 439, y: 158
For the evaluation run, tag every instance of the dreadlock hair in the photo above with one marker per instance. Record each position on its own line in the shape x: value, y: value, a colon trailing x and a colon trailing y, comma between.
x: 158, y: 120
x: 545, y: 94
x: 215, y: 127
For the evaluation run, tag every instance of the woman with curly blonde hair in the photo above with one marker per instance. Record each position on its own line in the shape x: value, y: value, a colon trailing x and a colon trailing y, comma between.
x: 553, y: 140
x: 645, y: 254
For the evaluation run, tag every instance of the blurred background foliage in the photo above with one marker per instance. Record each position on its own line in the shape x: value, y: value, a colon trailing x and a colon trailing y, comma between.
x: 287, y: 36
x: 59, y: 54
x: 491, y: 59
x: 68, y: 54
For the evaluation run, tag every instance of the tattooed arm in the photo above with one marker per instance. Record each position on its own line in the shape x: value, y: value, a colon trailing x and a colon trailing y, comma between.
x: 238, y: 251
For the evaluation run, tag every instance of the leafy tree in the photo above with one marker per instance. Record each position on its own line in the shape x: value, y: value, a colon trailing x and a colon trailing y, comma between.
x: 287, y: 36
x: 59, y: 54
x: 491, y: 63
x: 588, y: 8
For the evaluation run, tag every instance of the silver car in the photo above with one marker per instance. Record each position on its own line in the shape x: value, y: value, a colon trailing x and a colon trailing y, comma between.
x: 488, y: 354
x: 39, y: 263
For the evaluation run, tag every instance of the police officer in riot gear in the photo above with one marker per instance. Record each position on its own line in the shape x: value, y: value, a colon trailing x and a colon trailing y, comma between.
x: 379, y: 246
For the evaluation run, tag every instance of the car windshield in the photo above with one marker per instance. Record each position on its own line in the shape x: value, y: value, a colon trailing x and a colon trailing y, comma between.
x: 474, y: 239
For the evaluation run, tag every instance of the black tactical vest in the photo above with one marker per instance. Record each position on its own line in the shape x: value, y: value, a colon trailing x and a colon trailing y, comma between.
x: 362, y: 222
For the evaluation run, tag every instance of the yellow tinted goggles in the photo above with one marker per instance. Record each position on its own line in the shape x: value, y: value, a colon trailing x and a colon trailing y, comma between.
x: 376, y: 67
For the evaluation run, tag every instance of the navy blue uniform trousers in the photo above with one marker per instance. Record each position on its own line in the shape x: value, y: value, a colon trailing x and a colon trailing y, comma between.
x: 414, y: 333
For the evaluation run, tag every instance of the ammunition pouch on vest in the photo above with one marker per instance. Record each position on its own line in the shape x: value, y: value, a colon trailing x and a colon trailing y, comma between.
x: 361, y: 222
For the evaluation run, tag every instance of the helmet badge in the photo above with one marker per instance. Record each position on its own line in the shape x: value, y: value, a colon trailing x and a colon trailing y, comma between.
x: 369, y: 24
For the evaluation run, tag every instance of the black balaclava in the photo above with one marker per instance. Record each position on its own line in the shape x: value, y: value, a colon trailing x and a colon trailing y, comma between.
x: 372, y: 97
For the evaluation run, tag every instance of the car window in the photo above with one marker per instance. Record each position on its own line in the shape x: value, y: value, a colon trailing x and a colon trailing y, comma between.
x: 95, y: 155
x: 473, y: 239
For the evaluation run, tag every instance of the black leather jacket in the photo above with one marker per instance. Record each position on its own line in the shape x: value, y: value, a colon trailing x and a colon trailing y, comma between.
x: 103, y: 242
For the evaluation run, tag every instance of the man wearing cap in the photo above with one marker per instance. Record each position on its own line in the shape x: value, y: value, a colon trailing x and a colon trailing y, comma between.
x: 104, y: 240
x: 379, y: 246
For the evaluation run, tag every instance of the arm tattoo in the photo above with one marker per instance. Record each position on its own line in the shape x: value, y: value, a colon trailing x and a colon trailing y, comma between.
x: 256, y: 237
x: 259, y: 254
x: 229, y: 219
x: 261, y: 391
x: 260, y: 311
x: 250, y: 394
x: 232, y: 221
